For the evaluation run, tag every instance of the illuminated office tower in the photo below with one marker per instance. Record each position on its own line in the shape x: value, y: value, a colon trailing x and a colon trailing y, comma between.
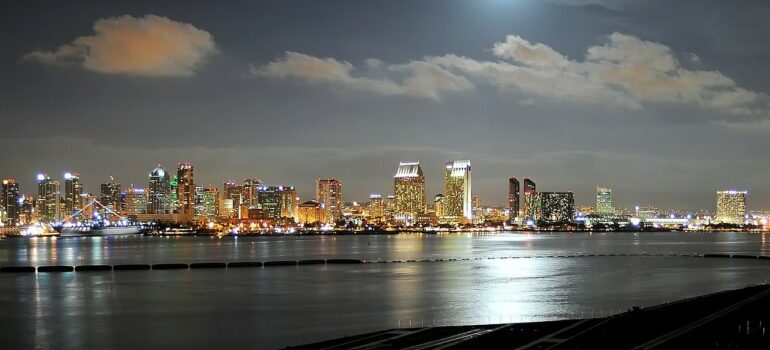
x: 530, y: 207
x: 185, y: 189
x: 289, y: 202
x: 457, y: 191
x: 73, y: 193
x: 478, y: 210
x: 250, y: 192
x: 409, y: 189
x: 438, y: 205
x: 48, y: 199
x: 232, y: 190
x: 109, y: 195
x: 199, y: 209
x: 513, y: 198
x: 328, y: 194
x: 557, y: 207
x: 269, y: 200
x: 159, y: 196
x: 135, y: 200
x: 210, y: 202
x: 731, y: 207
x: 604, y: 201
x: 10, y: 203
x: 375, y: 208
x: 26, y: 209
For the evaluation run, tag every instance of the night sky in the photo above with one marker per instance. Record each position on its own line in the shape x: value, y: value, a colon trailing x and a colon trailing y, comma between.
x: 663, y: 101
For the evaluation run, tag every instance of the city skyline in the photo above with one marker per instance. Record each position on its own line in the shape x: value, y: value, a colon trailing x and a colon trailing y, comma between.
x: 249, y: 109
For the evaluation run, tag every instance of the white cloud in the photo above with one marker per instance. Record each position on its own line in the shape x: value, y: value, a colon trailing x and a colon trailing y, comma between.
x: 417, y: 78
x: 149, y: 46
x: 625, y: 72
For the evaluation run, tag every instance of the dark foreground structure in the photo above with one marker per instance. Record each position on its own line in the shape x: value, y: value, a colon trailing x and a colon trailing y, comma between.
x: 735, y: 319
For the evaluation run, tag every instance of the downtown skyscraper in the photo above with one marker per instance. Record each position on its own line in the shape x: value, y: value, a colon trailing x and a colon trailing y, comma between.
x: 109, y: 195
x: 731, y: 207
x: 458, y: 204
x: 604, y: 201
x: 328, y: 194
x: 556, y: 207
x: 73, y: 193
x: 409, y: 191
x: 159, y: 197
x: 48, y: 199
x: 531, y: 206
x: 10, y: 206
x: 185, y: 189
x: 513, y: 198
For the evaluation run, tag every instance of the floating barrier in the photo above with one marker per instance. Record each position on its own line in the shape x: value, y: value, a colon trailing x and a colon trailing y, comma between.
x: 93, y: 268
x: 127, y: 267
x: 245, y: 264
x: 26, y: 269
x: 55, y: 268
x: 311, y: 262
x: 170, y: 266
x: 742, y: 256
x: 280, y: 263
x: 344, y: 261
x: 208, y: 265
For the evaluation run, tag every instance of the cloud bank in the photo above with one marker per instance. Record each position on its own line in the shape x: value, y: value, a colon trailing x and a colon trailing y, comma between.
x: 147, y: 46
x: 625, y: 71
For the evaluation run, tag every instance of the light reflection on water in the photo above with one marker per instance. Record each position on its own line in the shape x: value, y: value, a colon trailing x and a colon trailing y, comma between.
x: 274, y: 307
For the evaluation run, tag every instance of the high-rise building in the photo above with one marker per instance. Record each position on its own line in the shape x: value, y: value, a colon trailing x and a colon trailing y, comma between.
x: 438, y: 205
x: 73, y: 195
x: 232, y: 190
x: 328, y: 194
x: 478, y: 210
x: 48, y: 199
x: 289, y: 202
x: 185, y: 190
x: 409, y: 189
x: 604, y: 201
x: 375, y: 208
x: 109, y: 195
x: 530, y: 207
x: 250, y: 192
x: 210, y: 202
x: 513, y: 198
x: 270, y: 201
x: 731, y: 207
x: 457, y: 191
x: 10, y: 203
x: 159, y: 194
x: 557, y: 207
x: 135, y: 200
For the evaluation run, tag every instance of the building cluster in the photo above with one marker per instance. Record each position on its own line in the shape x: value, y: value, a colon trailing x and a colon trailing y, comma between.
x: 176, y: 197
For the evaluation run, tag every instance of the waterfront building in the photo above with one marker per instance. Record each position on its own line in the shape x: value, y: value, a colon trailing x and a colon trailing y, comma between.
x: 438, y: 206
x: 159, y: 195
x: 135, y: 201
x: 731, y: 207
x: 458, y: 204
x: 557, y: 207
x: 250, y: 192
x: 109, y: 195
x: 409, y: 190
x: 513, y: 198
x: 478, y: 210
x: 375, y: 208
x: 328, y: 194
x: 604, y: 201
x: 269, y: 200
x: 227, y: 208
x: 73, y: 196
x: 289, y: 202
x: 48, y: 199
x: 185, y: 190
x: 210, y: 202
x: 310, y: 213
x: 530, y: 205
x: 10, y: 203
x: 233, y: 191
